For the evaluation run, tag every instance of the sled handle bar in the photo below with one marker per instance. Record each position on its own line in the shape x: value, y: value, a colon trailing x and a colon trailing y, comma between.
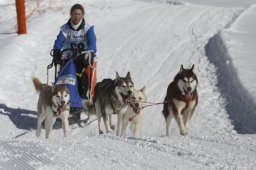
x: 88, y: 53
x: 72, y: 50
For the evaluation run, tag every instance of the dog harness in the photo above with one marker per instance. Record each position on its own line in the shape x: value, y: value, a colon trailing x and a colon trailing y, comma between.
x: 58, y: 109
x: 187, y: 100
x: 132, y: 104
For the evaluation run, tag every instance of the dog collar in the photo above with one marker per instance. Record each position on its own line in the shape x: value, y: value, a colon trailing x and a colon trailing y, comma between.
x: 55, y: 110
x: 58, y: 110
x: 55, y: 113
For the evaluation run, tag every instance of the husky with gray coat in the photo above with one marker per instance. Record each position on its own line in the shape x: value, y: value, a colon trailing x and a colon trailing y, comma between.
x: 53, y: 102
x: 181, y: 99
x: 112, y: 96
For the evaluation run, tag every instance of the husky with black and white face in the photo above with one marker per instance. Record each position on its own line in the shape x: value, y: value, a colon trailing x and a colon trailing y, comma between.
x: 112, y: 96
x: 53, y: 103
x: 181, y: 99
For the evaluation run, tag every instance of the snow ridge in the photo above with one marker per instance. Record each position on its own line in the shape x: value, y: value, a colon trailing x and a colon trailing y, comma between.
x: 237, y: 98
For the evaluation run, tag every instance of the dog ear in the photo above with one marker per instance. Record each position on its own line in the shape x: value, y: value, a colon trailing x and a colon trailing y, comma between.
x: 117, y: 75
x: 128, y: 75
x: 181, y: 68
x: 192, y: 68
x: 143, y: 89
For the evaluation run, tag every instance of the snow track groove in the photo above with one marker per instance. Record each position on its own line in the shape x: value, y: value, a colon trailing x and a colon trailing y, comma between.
x: 26, y: 155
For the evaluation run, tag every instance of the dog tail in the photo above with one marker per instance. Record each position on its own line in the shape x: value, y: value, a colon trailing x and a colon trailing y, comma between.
x: 37, y: 84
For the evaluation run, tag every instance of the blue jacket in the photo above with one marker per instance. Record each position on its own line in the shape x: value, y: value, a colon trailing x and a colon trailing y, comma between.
x: 83, y: 38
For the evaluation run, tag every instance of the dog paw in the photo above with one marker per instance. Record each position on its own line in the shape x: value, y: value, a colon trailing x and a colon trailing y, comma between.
x: 79, y: 124
x: 100, y: 132
x: 86, y: 120
x: 184, y: 133
x: 38, y: 133
x: 109, y: 131
x: 112, y: 127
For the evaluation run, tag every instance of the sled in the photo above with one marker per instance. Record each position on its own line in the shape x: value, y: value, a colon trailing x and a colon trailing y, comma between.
x: 65, y: 73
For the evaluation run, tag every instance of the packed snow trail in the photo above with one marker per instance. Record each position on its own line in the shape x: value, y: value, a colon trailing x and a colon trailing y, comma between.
x: 176, y: 35
x: 157, y: 39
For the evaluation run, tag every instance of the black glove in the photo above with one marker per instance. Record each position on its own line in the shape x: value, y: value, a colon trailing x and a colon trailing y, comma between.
x: 81, y: 61
x: 84, y: 59
x: 56, y: 56
x: 93, y: 54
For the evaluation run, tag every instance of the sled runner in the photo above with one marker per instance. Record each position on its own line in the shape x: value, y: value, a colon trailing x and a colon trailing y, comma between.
x: 67, y: 73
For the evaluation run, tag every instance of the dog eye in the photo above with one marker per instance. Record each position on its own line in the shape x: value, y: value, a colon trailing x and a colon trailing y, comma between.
x: 185, y: 79
x: 140, y: 98
x: 58, y: 96
x: 65, y: 95
x: 123, y: 86
x: 130, y: 86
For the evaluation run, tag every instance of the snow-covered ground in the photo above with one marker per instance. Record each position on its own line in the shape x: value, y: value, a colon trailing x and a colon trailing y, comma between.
x: 151, y: 39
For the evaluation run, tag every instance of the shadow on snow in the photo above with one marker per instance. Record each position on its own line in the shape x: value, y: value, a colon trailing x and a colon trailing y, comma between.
x: 21, y: 118
x: 240, y: 105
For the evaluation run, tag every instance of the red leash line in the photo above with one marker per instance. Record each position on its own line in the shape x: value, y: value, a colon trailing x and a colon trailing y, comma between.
x: 153, y: 104
x: 134, y: 107
x: 187, y: 101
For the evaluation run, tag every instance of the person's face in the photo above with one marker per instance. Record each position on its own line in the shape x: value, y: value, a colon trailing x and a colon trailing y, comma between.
x: 76, y: 16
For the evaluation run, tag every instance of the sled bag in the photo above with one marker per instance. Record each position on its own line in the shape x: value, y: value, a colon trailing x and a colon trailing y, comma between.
x: 67, y: 76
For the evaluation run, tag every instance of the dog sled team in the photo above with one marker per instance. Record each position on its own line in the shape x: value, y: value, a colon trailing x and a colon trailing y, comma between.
x: 119, y: 97
x: 76, y: 89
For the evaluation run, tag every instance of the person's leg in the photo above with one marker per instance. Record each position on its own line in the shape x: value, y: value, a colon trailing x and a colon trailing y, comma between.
x: 82, y: 84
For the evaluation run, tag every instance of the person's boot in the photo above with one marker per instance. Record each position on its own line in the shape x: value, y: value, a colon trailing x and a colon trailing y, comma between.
x: 75, y: 113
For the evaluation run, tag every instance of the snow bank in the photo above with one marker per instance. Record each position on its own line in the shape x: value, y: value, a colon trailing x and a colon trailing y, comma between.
x: 239, y: 103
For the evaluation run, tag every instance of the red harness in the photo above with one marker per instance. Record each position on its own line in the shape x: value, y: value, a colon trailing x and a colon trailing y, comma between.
x: 59, y: 110
x: 187, y: 100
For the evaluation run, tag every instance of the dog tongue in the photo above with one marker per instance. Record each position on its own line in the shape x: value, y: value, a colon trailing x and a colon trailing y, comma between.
x: 188, y: 95
x: 61, y: 107
x: 126, y: 100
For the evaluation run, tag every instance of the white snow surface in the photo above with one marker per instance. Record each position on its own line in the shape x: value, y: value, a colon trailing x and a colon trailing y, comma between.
x: 151, y: 39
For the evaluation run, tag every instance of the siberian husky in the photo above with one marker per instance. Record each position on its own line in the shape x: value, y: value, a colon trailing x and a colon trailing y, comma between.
x: 112, y: 96
x: 181, y: 99
x: 53, y: 103
x: 134, y: 117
